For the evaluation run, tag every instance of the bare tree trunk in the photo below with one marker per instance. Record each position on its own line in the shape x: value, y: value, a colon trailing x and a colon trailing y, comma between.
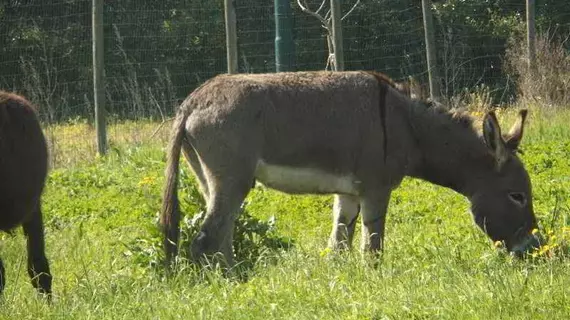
x: 337, y: 35
x: 332, y: 22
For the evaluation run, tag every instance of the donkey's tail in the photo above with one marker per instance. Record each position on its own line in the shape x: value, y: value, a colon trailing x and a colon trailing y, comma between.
x: 170, y: 213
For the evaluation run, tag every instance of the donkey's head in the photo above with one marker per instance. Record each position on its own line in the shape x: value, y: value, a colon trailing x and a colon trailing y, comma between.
x: 502, y: 201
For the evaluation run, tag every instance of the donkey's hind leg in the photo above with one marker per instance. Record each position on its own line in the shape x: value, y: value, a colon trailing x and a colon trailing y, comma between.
x: 192, y: 158
x: 373, y: 212
x: 226, y: 196
x: 345, y: 214
x: 38, y: 266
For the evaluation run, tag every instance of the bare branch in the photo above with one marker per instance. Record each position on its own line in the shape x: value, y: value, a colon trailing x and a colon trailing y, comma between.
x: 351, y: 9
x: 314, y: 14
x: 328, y: 15
x: 160, y: 127
x: 322, y: 6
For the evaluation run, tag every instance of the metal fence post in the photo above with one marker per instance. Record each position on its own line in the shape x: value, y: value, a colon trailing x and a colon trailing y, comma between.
x: 430, y: 51
x: 98, y: 76
x: 531, y: 35
x: 284, y: 46
x: 231, y: 36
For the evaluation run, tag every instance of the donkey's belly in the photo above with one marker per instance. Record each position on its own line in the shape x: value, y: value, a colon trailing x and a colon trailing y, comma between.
x: 304, y: 180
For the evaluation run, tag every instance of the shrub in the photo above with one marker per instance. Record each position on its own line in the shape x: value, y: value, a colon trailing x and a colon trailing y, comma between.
x: 549, y: 82
x: 254, y: 239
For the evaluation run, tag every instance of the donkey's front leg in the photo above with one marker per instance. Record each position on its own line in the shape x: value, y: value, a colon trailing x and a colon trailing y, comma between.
x: 345, y: 213
x: 373, y: 211
x: 38, y: 266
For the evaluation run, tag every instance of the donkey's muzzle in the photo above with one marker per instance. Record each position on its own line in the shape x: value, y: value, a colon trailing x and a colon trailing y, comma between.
x: 527, y: 244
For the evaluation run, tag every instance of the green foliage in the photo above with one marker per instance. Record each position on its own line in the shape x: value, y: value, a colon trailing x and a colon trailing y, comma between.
x: 255, y: 240
x: 156, y: 52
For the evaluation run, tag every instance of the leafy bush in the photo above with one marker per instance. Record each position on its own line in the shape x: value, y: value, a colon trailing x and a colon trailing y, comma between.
x: 255, y: 240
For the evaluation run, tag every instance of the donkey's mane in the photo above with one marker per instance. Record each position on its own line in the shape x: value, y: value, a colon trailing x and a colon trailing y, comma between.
x: 383, y: 78
x: 455, y: 127
x: 18, y: 99
x: 428, y: 117
x: 5, y: 96
x: 441, y: 114
x: 453, y: 116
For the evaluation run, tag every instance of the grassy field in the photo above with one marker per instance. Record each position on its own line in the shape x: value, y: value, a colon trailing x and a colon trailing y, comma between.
x: 100, y: 215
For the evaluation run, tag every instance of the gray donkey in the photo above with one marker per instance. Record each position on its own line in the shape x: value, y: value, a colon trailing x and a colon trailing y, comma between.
x: 353, y: 134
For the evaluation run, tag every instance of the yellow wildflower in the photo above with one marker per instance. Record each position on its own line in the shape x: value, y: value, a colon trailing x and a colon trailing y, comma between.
x: 325, y: 251
x: 544, y: 249
x: 146, y: 181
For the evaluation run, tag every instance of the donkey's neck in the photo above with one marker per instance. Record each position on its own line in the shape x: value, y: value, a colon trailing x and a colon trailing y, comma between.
x: 451, y: 153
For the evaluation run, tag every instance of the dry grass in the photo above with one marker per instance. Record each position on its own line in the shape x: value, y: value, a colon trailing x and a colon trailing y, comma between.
x: 549, y: 83
x: 76, y: 142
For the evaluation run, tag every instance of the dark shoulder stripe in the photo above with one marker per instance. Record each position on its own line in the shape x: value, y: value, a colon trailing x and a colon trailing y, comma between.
x: 383, y: 78
x: 383, y: 83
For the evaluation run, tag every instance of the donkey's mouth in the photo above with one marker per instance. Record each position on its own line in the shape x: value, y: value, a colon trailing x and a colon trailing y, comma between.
x: 527, y: 244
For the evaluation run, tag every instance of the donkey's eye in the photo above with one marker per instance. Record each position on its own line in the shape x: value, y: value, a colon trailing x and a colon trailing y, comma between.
x: 518, y: 198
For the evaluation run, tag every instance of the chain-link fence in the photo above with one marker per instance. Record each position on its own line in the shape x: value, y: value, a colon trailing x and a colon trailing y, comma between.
x: 156, y: 52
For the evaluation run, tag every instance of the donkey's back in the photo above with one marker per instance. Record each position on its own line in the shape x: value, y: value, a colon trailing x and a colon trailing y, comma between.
x: 305, y: 132
x: 23, y: 160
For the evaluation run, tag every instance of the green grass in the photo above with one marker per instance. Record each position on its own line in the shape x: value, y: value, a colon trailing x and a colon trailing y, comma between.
x: 100, y: 215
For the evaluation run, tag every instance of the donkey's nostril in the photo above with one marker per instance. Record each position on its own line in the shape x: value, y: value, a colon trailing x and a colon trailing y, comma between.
x: 538, y: 240
x: 527, y: 244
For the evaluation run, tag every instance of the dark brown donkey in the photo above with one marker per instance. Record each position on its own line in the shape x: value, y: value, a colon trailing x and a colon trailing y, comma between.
x: 23, y: 169
x: 353, y: 134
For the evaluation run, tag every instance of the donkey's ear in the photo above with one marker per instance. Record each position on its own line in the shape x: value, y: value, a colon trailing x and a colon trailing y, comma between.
x: 514, y: 137
x: 494, y: 139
